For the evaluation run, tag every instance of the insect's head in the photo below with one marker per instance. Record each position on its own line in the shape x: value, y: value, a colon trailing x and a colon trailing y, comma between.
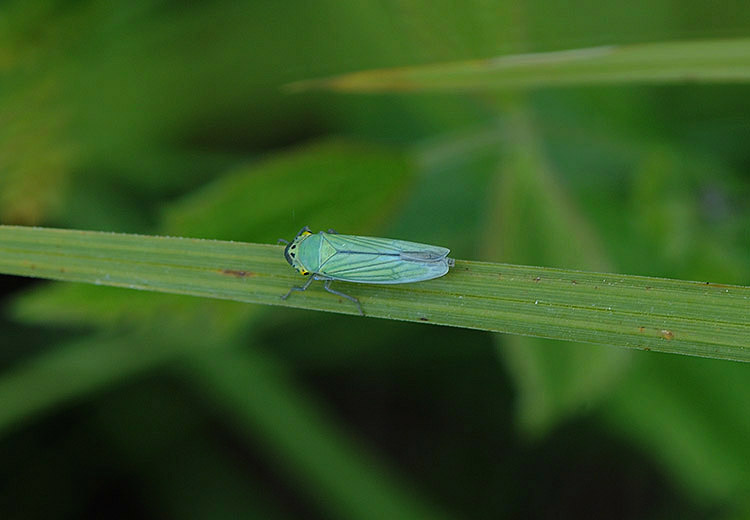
x: 290, y: 251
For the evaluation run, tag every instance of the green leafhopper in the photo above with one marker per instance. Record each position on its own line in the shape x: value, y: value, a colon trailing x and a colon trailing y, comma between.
x: 329, y: 256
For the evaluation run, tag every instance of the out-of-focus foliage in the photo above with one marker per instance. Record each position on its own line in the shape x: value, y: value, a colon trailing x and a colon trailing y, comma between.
x: 162, y: 117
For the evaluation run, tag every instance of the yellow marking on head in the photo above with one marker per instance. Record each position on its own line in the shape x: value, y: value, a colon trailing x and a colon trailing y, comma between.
x: 304, y: 271
x: 305, y: 233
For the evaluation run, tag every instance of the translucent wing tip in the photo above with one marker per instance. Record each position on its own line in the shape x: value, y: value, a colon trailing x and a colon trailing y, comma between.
x: 423, y: 256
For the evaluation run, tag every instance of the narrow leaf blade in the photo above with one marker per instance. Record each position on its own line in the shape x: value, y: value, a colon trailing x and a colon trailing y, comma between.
x: 717, y: 61
x: 694, y: 318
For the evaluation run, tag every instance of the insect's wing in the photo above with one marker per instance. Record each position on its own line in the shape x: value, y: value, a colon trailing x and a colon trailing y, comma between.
x: 385, y: 246
x: 372, y: 268
x: 384, y: 261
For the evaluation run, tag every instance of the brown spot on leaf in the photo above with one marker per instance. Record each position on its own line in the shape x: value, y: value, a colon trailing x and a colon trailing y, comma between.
x: 667, y: 334
x: 719, y: 285
x: 422, y: 318
x: 236, y: 273
x: 641, y: 329
x: 574, y: 282
x: 538, y: 279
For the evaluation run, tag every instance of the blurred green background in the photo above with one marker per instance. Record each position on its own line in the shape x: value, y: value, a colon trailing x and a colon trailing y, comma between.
x: 162, y: 117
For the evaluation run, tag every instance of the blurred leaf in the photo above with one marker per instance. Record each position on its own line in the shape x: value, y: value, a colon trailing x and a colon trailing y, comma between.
x: 78, y: 368
x: 535, y: 220
x: 448, y: 199
x: 318, y: 183
x: 556, y: 381
x: 36, y: 156
x: 534, y: 217
x: 693, y: 416
x: 686, y: 61
x: 107, y: 307
x: 694, y: 221
x: 345, y: 480
x: 695, y: 318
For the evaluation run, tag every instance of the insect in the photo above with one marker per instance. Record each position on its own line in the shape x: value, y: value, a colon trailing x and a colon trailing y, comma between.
x: 329, y: 256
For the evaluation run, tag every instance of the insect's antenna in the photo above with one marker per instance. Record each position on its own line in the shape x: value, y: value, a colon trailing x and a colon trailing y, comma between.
x: 282, y: 241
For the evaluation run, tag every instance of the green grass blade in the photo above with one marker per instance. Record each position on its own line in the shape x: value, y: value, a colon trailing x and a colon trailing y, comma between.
x: 694, y: 318
x: 669, y: 62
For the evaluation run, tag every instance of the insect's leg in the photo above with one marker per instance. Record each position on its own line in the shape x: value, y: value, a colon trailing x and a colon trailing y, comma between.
x: 303, y: 288
x: 282, y: 241
x: 327, y: 287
